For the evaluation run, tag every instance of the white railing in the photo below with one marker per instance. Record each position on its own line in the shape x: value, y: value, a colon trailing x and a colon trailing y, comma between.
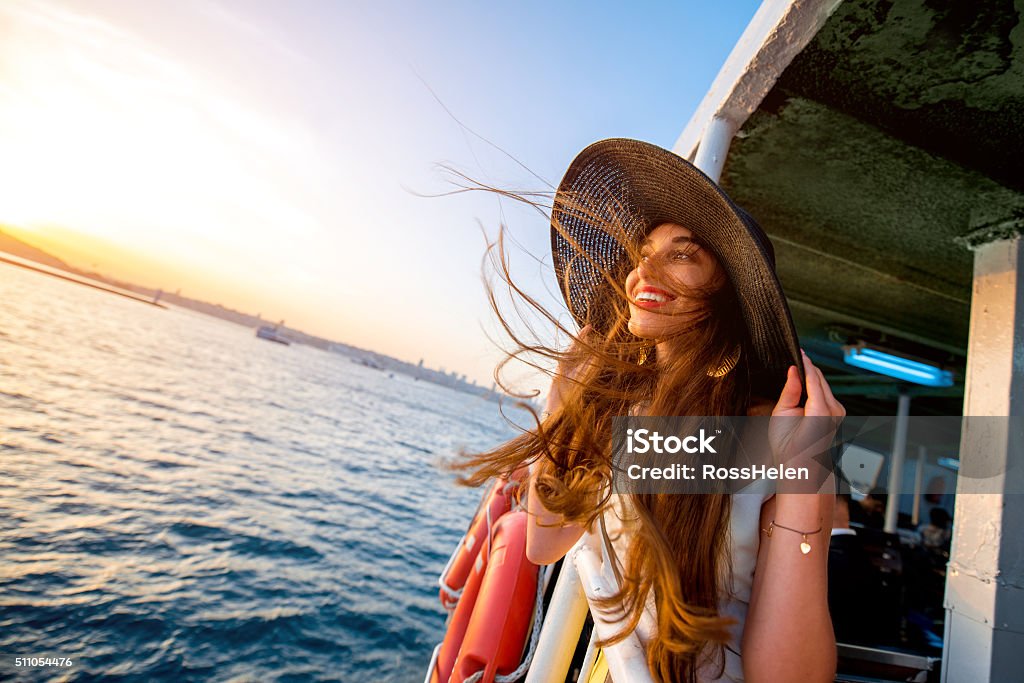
x: 586, y: 577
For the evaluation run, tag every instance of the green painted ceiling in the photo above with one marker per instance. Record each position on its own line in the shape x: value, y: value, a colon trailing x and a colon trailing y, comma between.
x: 892, y: 140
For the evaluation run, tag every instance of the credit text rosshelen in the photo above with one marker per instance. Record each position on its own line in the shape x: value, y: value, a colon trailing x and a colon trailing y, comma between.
x: 647, y: 441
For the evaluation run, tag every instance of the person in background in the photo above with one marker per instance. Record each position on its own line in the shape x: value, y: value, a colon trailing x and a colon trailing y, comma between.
x: 936, y: 534
x: 848, y: 571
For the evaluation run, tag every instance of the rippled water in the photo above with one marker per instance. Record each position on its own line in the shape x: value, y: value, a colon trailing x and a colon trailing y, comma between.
x: 179, y: 499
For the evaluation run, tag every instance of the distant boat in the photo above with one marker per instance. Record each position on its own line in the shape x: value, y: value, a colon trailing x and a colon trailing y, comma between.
x: 270, y: 333
x: 368, y: 363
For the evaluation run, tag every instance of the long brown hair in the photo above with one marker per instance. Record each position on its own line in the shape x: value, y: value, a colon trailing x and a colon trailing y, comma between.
x: 677, y: 550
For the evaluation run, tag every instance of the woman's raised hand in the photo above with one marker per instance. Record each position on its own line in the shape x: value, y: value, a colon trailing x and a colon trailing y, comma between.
x: 565, y: 374
x: 800, y: 435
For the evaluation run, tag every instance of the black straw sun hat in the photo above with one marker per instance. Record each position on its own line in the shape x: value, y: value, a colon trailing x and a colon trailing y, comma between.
x: 638, y: 186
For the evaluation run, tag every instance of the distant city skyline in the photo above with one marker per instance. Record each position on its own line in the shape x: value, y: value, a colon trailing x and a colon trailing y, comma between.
x: 272, y: 157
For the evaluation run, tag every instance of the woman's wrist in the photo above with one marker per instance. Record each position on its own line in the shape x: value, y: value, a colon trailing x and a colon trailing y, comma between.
x: 803, y: 510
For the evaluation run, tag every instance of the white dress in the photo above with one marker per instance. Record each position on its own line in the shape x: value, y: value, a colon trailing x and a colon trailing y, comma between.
x: 744, y: 540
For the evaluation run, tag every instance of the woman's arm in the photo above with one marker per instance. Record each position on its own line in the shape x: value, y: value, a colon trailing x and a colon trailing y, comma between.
x: 548, y: 537
x: 788, y: 633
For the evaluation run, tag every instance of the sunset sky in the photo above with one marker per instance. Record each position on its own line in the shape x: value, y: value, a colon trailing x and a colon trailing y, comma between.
x: 270, y: 156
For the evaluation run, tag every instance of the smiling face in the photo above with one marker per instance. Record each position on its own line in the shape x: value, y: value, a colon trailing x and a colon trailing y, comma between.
x: 671, y: 263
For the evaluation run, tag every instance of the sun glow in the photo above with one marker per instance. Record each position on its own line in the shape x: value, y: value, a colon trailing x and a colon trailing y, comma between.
x: 143, y: 160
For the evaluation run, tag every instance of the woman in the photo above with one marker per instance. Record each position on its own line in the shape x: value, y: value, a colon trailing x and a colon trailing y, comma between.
x: 680, y: 313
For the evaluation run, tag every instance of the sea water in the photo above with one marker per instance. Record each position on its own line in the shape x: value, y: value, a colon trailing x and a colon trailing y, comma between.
x: 180, y: 500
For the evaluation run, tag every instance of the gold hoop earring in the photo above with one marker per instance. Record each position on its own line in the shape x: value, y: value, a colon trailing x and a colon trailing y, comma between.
x: 726, y: 367
x: 645, y: 354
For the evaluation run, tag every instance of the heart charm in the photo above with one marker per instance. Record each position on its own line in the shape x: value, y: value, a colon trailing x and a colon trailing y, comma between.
x: 805, y: 547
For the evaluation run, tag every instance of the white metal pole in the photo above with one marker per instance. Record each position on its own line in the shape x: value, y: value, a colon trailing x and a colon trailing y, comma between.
x: 589, y: 660
x: 626, y: 659
x: 563, y: 623
x: 714, y: 146
x: 899, y: 451
x: 922, y: 453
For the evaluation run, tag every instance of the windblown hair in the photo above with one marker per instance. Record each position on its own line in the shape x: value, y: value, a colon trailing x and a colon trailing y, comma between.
x: 677, y: 550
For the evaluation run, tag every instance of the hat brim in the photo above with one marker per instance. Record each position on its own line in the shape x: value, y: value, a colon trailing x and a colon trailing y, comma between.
x: 638, y: 186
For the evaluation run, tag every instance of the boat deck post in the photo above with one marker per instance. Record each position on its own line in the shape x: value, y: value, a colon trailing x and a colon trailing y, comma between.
x: 984, y: 632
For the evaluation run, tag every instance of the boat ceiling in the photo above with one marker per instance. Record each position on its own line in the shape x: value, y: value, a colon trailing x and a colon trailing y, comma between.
x: 892, y: 143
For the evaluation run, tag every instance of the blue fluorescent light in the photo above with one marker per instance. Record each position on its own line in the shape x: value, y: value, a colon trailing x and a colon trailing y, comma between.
x: 895, y: 366
x: 950, y: 463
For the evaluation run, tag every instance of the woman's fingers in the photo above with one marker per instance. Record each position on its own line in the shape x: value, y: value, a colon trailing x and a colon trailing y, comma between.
x: 835, y: 407
x: 566, y: 368
x: 583, y: 335
x: 571, y: 365
x: 820, y: 400
x: 789, y: 399
x: 828, y: 400
x: 815, y: 395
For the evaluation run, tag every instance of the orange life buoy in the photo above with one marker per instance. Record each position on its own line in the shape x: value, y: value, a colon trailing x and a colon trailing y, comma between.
x: 496, y: 503
x: 448, y: 651
x: 499, y: 626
